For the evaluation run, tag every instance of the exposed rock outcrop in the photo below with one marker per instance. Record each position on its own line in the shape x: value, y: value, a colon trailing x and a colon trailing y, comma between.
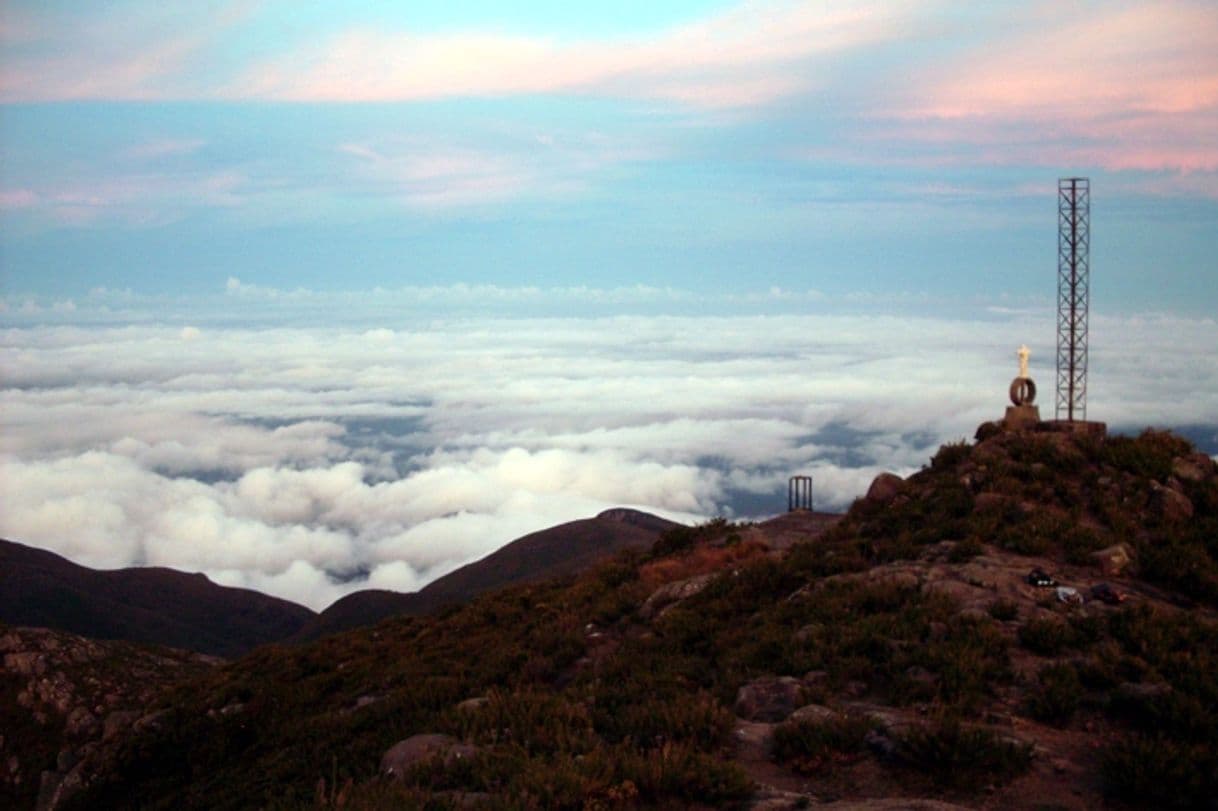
x: 72, y: 693
x: 671, y: 594
x: 768, y: 700
x: 422, y: 748
x: 884, y: 488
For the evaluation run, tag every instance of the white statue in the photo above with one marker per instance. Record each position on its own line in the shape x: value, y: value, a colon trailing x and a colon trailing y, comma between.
x: 1023, y: 354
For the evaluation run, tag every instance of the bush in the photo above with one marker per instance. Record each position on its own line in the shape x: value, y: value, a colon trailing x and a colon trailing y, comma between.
x: 810, y: 747
x: 966, y: 550
x: 1004, y: 610
x: 678, y: 539
x: 1047, y: 637
x: 950, y: 455
x: 1056, y: 696
x: 1158, y: 772
x: 956, y: 756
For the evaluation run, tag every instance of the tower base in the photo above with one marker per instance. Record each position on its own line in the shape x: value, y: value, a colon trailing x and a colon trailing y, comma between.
x: 1021, y: 417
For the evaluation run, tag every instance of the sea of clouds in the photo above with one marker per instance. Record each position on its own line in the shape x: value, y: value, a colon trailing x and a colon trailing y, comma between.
x: 309, y: 461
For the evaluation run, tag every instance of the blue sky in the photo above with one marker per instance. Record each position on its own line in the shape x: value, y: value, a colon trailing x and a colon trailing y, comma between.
x: 838, y: 147
x: 314, y: 297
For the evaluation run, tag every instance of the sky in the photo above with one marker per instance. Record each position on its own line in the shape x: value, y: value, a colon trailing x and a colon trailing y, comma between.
x: 314, y: 297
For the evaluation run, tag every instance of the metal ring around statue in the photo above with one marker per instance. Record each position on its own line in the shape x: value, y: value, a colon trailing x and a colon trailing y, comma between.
x: 1023, y: 391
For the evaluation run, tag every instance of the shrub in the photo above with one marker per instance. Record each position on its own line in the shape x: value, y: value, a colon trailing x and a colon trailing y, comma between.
x: 809, y: 747
x: 1079, y: 542
x: 1047, y: 637
x: 969, y: 659
x: 1056, y: 696
x: 950, y: 455
x: 1148, y: 456
x: 1158, y: 772
x: 963, y: 757
x: 1004, y: 610
x: 966, y: 550
x: 681, y: 538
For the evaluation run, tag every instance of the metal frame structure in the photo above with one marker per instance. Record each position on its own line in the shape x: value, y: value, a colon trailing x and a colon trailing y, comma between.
x: 1073, y: 295
x: 799, y: 493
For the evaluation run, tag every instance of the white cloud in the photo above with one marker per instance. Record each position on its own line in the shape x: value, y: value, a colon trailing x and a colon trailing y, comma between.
x: 310, y: 462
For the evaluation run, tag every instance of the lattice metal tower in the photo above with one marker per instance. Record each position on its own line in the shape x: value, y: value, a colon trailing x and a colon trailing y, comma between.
x: 1073, y: 283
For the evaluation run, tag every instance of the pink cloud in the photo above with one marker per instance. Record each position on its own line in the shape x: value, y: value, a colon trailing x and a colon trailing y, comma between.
x: 18, y: 198
x: 1135, y: 87
x: 743, y: 57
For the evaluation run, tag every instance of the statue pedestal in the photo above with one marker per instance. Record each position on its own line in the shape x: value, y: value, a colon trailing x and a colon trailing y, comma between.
x: 1021, y: 417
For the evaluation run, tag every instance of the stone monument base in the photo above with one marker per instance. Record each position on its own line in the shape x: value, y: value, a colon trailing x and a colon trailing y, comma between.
x: 1021, y: 417
x: 1085, y: 427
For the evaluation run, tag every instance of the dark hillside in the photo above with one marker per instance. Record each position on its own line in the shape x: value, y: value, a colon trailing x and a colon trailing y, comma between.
x: 562, y: 550
x: 902, y: 653
x: 153, y: 605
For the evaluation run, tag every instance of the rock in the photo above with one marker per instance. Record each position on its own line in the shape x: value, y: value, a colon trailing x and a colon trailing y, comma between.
x: 754, y: 740
x: 989, y: 502
x: 893, y: 804
x: 420, y: 748
x: 80, y: 722
x: 117, y: 722
x: 770, y: 699
x: 672, y: 593
x: 366, y: 700
x: 962, y: 594
x: 471, y: 704
x: 816, y: 678
x: 882, y: 746
x: 1142, y: 692
x: 813, y: 713
x: 855, y: 689
x: 1113, y: 560
x: 884, y: 488
x: 1172, y: 506
x: 1194, y: 467
x: 920, y: 676
x: 66, y: 759
x: 769, y: 798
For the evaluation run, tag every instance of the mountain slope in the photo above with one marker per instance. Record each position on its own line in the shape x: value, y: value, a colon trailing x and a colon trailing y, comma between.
x: 900, y: 656
x: 62, y: 695
x: 154, y: 605
x: 554, y: 552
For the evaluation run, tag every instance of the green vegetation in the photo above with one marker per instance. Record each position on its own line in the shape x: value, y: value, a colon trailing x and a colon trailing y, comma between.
x: 956, y: 756
x: 811, y: 747
x: 585, y: 703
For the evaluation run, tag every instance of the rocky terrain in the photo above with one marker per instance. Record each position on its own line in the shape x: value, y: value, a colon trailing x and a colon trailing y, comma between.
x: 64, y: 699
x: 1027, y: 623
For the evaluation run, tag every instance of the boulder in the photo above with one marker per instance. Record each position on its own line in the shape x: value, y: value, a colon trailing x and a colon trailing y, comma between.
x: 1113, y: 560
x: 989, y: 502
x: 770, y: 699
x: 672, y: 593
x: 420, y: 748
x: 1171, y: 505
x: 884, y: 488
x: 118, y: 722
x: 1194, y: 467
x: 814, y: 713
x: 472, y: 704
x: 754, y: 740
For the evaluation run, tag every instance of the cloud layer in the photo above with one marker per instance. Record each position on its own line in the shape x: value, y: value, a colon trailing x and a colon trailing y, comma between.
x: 308, y: 462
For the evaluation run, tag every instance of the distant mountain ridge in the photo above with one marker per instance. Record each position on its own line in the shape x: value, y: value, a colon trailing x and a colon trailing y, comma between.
x: 162, y: 606
x: 554, y: 552
x: 149, y: 604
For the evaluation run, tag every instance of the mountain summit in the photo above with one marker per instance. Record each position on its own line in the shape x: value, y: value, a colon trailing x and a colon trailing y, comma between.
x: 1028, y: 622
